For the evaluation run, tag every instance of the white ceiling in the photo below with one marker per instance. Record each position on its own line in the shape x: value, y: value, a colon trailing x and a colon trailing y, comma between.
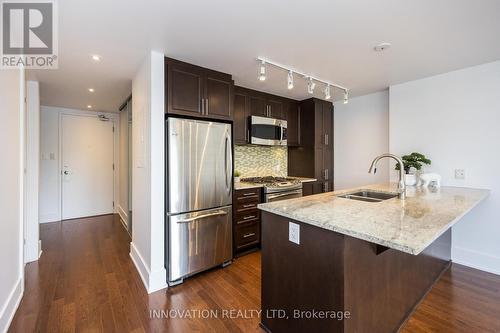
x: 330, y: 39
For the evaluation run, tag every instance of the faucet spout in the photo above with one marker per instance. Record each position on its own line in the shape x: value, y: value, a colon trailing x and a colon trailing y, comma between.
x: 401, y: 183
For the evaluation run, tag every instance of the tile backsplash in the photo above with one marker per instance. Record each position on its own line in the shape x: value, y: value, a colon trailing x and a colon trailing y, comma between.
x: 258, y: 161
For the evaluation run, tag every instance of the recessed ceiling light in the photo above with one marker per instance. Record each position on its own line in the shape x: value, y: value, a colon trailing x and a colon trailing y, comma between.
x: 91, y: 90
x: 96, y: 57
x: 89, y: 106
x: 382, y: 47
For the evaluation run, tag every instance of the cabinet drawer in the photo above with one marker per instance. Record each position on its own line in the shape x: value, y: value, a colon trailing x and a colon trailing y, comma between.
x: 251, y: 193
x: 246, y: 207
x: 248, y: 234
x: 247, y: 217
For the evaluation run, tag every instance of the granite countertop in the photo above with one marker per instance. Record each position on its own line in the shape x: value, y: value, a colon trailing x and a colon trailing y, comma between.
x: 408, y: 226
x: 245, y: 185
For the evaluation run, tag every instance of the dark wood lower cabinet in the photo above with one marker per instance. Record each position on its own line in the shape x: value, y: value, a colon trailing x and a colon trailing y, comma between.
x: 246, y: 219
x: 356, y: 286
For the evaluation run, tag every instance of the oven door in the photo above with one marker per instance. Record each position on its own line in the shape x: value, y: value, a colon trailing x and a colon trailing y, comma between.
x: 283, y: 195
x: 268, y: 131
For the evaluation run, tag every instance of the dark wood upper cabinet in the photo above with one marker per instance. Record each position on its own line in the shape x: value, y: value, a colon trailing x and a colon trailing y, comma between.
x: 185, y: 89
x: 275, y: 108
x: 219, y: 96
x: 240, y: 124
x: 292, y: 115
x: 258, y: 105
x: 196, y: 91
x: 314, y: 157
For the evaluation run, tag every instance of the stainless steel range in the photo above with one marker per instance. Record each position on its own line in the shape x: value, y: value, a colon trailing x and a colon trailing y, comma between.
x: 277, y: 188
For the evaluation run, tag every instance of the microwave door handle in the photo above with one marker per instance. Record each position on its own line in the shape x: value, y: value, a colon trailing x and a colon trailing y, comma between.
x: 281, y: 132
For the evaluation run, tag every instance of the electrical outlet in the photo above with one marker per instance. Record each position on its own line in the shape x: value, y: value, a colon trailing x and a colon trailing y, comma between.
x: 459, y: 173
x: 294, y: 232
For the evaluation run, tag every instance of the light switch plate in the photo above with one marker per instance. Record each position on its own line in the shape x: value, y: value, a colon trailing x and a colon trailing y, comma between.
x: 294, y: 232
x: 459, y: 173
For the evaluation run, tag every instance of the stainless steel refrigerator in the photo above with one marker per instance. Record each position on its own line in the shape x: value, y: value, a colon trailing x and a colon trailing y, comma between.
x: 199, y: 196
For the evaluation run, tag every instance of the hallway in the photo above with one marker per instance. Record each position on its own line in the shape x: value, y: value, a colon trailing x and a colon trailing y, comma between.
x: 85, y: 281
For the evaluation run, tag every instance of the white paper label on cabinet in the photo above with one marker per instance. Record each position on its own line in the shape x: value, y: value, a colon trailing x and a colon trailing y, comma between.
x: 294, y: 232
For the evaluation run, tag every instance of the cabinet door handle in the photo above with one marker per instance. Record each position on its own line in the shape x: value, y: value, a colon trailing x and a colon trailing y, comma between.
x: 249, y: 235
x: 326, y: 174
x: 202, y: 106
x: 206, y: 109
x: 248, y: 194
x: 326, y: 139
x: 249, y: 205
x: 249, y: 217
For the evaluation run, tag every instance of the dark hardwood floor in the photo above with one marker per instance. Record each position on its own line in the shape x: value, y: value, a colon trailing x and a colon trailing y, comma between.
x: 85, y: 281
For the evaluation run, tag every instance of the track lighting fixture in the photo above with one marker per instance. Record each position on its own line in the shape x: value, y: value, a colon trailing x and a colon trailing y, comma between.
x: 262, y: 75
x: 311, y: 80
x: 327, y: 92
x: 290, y: 80
x: 310, y: 86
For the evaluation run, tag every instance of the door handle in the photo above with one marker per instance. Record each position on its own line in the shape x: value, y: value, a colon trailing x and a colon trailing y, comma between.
x: 66, y: 172
x: 194, y: 218
x: 228, y: 160
x: 206, y: 109
x: 326, y: 140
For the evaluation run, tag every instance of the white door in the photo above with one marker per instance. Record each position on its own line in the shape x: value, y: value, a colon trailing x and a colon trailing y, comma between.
x: 87, y: 166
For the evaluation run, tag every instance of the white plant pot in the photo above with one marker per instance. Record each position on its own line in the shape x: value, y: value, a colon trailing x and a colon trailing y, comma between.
x: 237, y: 179
x: 410, y: 180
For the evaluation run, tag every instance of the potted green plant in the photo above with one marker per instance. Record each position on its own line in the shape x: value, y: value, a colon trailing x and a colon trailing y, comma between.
x: 237, y: 176
x: 414, y: 161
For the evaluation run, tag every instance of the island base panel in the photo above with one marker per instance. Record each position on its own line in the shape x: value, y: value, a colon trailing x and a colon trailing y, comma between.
x: 332, y: 272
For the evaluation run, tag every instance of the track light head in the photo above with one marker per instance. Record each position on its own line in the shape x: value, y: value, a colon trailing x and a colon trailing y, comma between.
x: 290, y: 80
x: 262, y: 75
x: 346, y: 96
x: 327, y: 92
x: 310, y: 86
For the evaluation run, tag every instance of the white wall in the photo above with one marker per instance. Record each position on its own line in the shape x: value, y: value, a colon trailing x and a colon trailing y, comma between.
x: 361, y: 131
x: 123, y: 176
x: 454, y: 119
x: 11, y: 193
x: 50, y: 187
x: 32, y: 246
x: 148, y: 199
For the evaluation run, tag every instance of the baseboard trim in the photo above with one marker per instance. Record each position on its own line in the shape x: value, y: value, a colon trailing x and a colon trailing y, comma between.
x: 10, y: 307
x: 123, y: 218
x: 47, y: 218
x: 122, y: 213
x: 152, y: 281
x: 477, y: 260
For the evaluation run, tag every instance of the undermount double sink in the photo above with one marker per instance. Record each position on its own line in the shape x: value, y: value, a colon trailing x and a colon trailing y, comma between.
x: 369, y: 196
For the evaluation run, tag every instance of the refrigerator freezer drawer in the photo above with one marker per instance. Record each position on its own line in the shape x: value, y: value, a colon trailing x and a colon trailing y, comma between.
x: 198, y: 241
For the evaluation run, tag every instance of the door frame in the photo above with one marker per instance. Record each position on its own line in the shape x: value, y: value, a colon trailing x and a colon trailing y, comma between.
x: 113, y: 118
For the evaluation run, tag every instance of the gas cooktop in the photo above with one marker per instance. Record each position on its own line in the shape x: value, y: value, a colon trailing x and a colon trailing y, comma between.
x: 275, y: 184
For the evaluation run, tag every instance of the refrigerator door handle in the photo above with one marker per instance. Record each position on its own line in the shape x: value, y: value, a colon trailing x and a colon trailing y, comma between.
x: 228, y: 161
x: 194, y: 218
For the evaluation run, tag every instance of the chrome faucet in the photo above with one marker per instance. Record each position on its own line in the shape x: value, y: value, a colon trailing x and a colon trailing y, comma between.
x: 401, y: 184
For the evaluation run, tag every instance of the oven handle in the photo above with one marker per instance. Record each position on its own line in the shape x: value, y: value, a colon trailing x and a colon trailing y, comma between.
x: 274, y: 196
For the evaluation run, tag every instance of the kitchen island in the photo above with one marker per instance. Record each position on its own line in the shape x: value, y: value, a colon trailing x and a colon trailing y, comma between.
x: 358, y: 266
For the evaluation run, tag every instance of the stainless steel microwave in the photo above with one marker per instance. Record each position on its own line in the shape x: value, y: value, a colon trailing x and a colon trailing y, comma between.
x: 267, y: 131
